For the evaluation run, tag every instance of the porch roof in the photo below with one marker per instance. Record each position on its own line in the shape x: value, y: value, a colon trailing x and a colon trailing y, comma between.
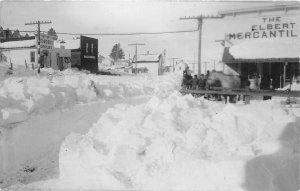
x: 18, y: 44
x: 278, y: 50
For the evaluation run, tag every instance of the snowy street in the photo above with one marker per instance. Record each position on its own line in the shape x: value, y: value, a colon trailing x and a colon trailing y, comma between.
x: 149, y: 96
x: 35, y: 143
x: 143, y: 135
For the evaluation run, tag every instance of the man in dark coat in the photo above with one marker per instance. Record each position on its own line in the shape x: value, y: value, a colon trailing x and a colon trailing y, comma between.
x: 265, y: 84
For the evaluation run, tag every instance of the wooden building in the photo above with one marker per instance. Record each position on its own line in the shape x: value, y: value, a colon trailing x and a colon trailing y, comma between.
x: 84, y: 52
x: 148, y: 63
x: 24, y: 52
x: 264, y: 40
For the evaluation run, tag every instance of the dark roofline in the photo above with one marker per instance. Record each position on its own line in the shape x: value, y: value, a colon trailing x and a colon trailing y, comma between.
x: 34, y: 46
x: 19, y: 39
x: 262, y: 60
x: 258, y: 9
x: 145, y: 61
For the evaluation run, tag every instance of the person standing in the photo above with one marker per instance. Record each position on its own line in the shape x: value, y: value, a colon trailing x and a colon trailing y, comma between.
x: 195, y: 82
x: 202, y: 82
x: 265, y: 84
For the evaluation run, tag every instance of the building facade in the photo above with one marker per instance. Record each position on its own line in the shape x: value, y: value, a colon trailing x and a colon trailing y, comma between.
x: 264, y: 41
x: 84, y: 52
x: 24, y: 52
x: 148, y: 63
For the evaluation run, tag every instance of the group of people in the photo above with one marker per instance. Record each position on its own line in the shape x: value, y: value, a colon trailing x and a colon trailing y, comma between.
x: 195, y: 82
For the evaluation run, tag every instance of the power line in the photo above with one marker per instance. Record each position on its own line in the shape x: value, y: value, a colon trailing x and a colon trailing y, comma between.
x: 128, y: 34
x: 200, y: 22
x: 117, y: 34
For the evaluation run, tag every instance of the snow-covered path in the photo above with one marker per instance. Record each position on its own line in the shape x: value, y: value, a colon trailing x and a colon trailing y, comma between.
x: 32, y: 147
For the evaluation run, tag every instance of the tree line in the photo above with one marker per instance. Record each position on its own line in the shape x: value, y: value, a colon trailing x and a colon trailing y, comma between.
x: 6, y: 34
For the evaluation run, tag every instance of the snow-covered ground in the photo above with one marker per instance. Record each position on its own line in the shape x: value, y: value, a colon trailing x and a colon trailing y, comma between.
x: 140, y: 133
x: 21, y: 96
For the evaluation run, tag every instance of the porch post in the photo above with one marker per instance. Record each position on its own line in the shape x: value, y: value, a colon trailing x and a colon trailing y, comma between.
x: 284, y: 72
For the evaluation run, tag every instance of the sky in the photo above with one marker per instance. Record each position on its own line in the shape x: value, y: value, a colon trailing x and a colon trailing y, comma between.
x: 130, y: 17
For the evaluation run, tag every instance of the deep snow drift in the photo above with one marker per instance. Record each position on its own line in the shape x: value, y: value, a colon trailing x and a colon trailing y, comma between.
x: 21, y: 96
x: 177, y: 142
x: 171, y: 142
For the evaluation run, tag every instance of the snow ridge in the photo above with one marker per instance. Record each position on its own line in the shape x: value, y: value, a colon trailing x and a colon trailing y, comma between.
x: 22, y: 96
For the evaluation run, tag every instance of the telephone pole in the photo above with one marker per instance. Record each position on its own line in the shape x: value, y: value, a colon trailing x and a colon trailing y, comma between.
x: 136, y: 53
x: 38, y: 23
x: 200, y: 22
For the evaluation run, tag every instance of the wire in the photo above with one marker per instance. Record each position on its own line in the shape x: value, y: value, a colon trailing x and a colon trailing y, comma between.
x: 128, y: 34
x: 118, y: 34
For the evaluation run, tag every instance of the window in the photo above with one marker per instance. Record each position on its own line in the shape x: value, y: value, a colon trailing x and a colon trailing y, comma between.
x: 32, y: 56
x: 67, y: 59
x: 92, y: 48
x: 87, y: 47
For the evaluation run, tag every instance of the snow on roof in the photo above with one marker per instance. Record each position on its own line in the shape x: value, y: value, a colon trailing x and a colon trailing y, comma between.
x: 68, y: 44
x: 148, y: 58
x: 266, y: 49
x: 18, y: 44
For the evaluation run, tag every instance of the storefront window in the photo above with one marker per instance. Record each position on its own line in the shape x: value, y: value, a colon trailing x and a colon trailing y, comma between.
x: 87, y: 47
x: 67, y: 59
x: 92, y: 48
x: 32, y: 56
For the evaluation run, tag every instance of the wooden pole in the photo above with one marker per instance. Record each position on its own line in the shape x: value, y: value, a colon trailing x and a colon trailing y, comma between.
x: 200, y: 21
x: 136, y: 51
x: 38, y: 23
x: 284, y: 72
x: 199, y: 45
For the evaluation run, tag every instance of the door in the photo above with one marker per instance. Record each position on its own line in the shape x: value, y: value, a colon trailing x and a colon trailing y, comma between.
x: 277, y: 74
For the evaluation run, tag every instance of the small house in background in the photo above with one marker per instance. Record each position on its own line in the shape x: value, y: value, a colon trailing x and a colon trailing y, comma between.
x: 148, y: 63
x: 24, y: 52
x: 84, y: 52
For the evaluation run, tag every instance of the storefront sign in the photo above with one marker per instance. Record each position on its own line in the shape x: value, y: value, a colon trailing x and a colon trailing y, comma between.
x: 46, y: 42
x: 88, y: 56
x: 268, y: 27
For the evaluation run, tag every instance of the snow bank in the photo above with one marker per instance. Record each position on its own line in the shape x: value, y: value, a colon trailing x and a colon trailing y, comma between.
x: 173, y: 142
x: 60, y: 90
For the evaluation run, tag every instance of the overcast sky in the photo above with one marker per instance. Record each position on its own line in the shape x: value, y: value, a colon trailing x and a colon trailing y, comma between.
x: 127, y: 17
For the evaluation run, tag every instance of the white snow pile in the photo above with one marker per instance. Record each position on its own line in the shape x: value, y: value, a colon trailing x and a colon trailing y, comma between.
x: 279, y: 48
x: 21, y: 96
x: 177, y: 142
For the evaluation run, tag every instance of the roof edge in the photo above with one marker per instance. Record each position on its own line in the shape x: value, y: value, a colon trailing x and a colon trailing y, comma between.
x: 265, y: 8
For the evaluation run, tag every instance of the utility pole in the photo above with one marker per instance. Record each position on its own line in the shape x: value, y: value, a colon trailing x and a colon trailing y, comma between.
x: 200, y: 21
x: 205, y: 66
x: 214, y: 64
x: 38, y: 23
x: 136, y: 53
x: 173, y: 59
x: 194, y: 62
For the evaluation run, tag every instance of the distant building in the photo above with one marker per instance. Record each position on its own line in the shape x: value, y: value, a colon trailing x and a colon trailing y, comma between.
x: 148, y: 63
x: 263, y: 40
x: 84, y: 52
x: 24, y: 51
